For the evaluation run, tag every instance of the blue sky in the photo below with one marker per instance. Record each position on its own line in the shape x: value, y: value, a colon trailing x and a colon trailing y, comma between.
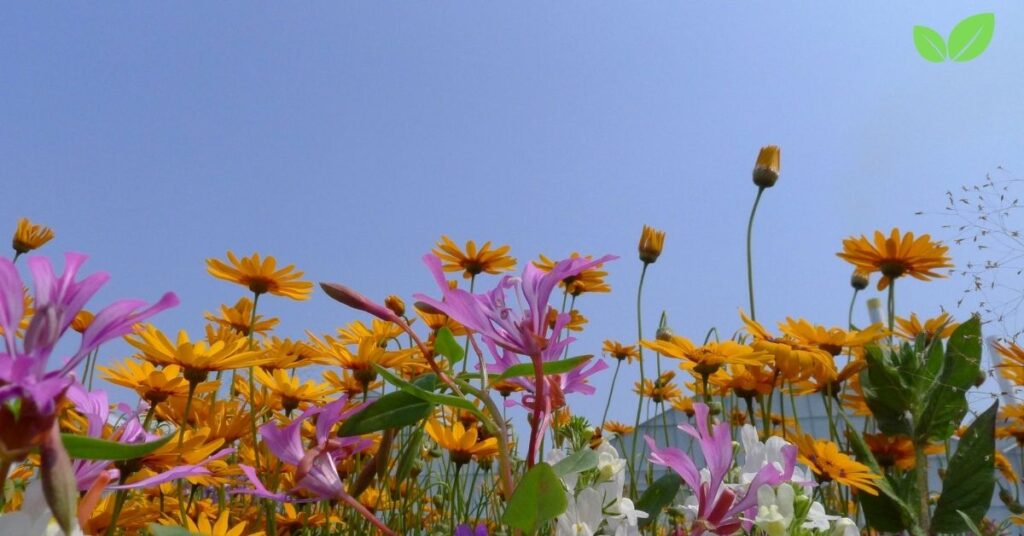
x: 347, y: 137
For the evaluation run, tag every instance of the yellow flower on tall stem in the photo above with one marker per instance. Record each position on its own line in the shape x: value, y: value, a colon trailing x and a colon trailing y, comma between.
x: 460, y: 442
x: 368, y: 353
x: 766, y: 173
x: 830, y: 464
x: 703, y: 361
x: 289, y: 393
x: 261, y: 276
x: 589, y: 280
x: 241, y: 318
x: 941, y: 326
x: 473, y: 261
x: 152, y: 384
x: 652, y: 241
x: 222, y: 527
x: 658, y: 390
x: 29, y: 236
x: 197, y: 359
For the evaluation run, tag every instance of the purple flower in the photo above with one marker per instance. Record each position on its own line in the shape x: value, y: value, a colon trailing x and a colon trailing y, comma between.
x: 24, y: 377
x: 316, y: 468
x: 466, y: 530
x: 522, y: 329
x: 719, y: 509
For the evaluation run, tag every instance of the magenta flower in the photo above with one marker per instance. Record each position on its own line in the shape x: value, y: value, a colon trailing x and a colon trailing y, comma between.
x: 522, y: 329
x: 719, y: 508
x: 23, y: 371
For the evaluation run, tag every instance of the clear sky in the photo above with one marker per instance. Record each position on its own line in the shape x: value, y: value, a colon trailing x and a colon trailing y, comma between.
x: 347, y: 137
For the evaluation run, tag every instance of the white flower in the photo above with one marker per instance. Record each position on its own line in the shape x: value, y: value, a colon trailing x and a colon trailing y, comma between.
x: 845, y: 527
x: 775, y: 509
x: 817, y: 518
x: 583, y: 516
x: 759, y: 454
x: 624, y: 518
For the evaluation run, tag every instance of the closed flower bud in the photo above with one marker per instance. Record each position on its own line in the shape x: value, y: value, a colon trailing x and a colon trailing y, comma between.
x: 396, y: 305
x: 766, y: 170
x: 356, y: 300
x: 859, y: 280
x: 651, y: 243
x: 875, y: 310
x: 664, y: 332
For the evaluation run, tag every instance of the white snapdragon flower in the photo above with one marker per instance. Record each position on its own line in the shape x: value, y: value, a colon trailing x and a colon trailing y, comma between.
x: 624, y: 518
x: 845, y: 527
x: 583, y: 516
x: 775, y: 509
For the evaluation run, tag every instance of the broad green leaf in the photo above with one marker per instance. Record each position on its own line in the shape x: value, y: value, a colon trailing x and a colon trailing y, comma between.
x: 393, y: 410
x: 930, y: 44
x: 970, y: 477
x: 436, y: 398
x: 538, y: 498
x: 893, y: 503
x: 971, y: 526
x: 577, y: 462
x: 659, y: 495
x: 971, y: 36
x: 446, y: 345
x: 945, y: 404
x: 90, y: 448
x: 165, y: 530
x: 885, y: 393
x: 550, y: 367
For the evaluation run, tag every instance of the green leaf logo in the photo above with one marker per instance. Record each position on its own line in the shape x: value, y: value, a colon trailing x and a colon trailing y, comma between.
x: 969, y: 38
x: 930, y: 44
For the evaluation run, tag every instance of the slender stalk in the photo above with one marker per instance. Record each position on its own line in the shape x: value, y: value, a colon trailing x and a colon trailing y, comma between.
x: 640, y: 347
x: 892, y: 310
x: 539, y: 409
x: 849, y: 315
x: 608, y: 404
x: 252, y: 386
x: 465, y: 346
x: 921, y: 470
x: 750, y: 261
x: 188, y: 408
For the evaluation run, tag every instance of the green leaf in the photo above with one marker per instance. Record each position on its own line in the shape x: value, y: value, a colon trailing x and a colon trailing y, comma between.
x: 885, y: 392
x: 549, y: 367
x: 577, y: 462
x: 538, y: 498
x: 446, y: 345
x: 655, y: 498
x: 945, y: 404
x: 888, y: 502
x: 90, y: 448
x: 971, y: 36
x: 971, y: 526
x: 970, y: 477
x: 164, y: 530
x: 436, y: 398
x: 393, y: 410
x: 930, y: 44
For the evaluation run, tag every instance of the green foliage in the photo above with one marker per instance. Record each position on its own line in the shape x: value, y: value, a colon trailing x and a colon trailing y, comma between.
x: 577, y: 462
x: 888, y: 511
x: 393, y: 410
x: 659, y: 495
x: 549, y: 367
x: 446, y: 345
x: 940, y: 408
x: 539, y: 497
x: 435, y: 398
x: 970, y: 478
x: 930, y: 44
x: 90, y: 448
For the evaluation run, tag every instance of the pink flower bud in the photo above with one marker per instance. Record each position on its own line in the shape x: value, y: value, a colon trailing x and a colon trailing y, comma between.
x: 356, y: 300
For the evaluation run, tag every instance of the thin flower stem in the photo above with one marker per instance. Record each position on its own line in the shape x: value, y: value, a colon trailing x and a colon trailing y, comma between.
x: 849, y: 315
x: 750, y: 261
x: 252, y: 387
x: 608, y: 404
x: 539, y: 409
x: 184, y: 419
x: 465, y: 346
x: 640, y: 353
x: 891, y: 306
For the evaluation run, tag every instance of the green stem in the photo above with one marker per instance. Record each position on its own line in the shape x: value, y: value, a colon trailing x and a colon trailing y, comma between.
x: 892, y: 310
x: 188, y: 408
x: 921, y: 469
x: 608, y: 404
x: 640, y: 403
x: 750, y: 261
x: 849, y: 315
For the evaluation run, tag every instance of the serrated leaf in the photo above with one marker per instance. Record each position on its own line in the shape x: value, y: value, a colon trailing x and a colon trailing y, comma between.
x: 970, y: 476
x: 929, y: 44
x: 945, y: 403
x: 549, y: 367
x: 538, y: 498
x: 577, y: 462
x: 436, y: 398
x: 971, y: 36
x: 659, y: 495
x: 446, y: 345
x: 90, y: 448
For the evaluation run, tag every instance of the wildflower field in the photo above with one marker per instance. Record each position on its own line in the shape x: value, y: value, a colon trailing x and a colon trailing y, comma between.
x: 403, y: 422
